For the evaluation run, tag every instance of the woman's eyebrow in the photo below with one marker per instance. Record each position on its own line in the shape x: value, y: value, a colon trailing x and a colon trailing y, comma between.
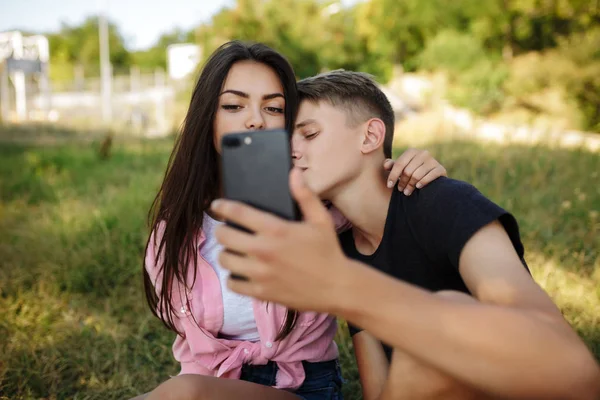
x: 272, y: 96
x: 237, y: 93
x: 247, y: 96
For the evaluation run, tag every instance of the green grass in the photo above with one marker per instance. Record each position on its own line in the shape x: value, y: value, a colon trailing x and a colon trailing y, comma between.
x: 74, y: 320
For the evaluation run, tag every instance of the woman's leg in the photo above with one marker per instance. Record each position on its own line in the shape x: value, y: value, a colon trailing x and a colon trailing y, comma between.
x: 409, y: 378
x: 200, y: 387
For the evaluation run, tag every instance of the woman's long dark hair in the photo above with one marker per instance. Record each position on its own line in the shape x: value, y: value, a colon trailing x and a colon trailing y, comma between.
x: 192, y: 179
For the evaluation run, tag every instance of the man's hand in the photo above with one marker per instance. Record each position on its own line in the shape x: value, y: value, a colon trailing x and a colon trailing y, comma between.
x: 296, y: 264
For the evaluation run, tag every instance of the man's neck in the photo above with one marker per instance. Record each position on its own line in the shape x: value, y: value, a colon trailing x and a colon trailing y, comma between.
x: 365, y: 202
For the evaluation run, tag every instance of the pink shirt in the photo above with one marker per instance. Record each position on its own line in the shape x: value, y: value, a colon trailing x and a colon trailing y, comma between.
x: 202, y: 352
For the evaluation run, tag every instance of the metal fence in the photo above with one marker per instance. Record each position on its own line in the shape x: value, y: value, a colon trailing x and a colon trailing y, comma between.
x: 142, y: 103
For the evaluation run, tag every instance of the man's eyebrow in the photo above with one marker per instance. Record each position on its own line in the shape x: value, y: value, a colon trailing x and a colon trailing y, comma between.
x: 305, y: 122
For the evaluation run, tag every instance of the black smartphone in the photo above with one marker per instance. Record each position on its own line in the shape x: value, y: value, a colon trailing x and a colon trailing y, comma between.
x: 255, y: 168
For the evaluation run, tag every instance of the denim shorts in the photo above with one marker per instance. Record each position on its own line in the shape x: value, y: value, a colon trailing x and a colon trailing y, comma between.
x: 323, y: 379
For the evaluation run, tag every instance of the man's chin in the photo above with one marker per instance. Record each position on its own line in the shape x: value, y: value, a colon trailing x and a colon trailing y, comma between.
x: 319, y: 190
x: 312, y: 184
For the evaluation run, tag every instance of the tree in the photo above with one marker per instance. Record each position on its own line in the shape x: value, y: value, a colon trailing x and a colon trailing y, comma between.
x: 156, y: 56
x: 80, y: 45
x: 314, y: 35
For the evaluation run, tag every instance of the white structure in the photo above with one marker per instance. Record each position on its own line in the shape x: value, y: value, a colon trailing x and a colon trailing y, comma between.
x: 182, y: 59
x: 20, y: 56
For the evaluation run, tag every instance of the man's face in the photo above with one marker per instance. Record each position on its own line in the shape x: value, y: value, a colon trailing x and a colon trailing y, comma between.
x: 325, y: 148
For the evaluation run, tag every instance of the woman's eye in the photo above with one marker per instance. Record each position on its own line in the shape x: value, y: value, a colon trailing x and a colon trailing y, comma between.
x: 310, y: 135
x: 275, y: 110
x: 230, y: 107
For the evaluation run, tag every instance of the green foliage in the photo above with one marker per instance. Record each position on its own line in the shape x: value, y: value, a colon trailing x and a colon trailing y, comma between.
x: 583, y: 83
x: 80, y: 45
x: 156, y: 56
x: 399, y: 30
x: 469, y: 38
x: 563, y: 82
x: 480, y: 87
x: 452, y: 51
x: 324, y: 40
x: 476, y: 81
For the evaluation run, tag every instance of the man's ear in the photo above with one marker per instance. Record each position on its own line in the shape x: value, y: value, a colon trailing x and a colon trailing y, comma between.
x: 373, y: 136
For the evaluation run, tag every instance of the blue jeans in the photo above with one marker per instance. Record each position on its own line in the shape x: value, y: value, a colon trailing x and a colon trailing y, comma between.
x: 323, y: 379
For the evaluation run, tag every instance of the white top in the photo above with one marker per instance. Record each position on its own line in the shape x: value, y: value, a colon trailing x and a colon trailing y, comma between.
x: 238, y: 314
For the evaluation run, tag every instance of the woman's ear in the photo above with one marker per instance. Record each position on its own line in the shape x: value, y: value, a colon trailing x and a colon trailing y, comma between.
x: 374, y: 136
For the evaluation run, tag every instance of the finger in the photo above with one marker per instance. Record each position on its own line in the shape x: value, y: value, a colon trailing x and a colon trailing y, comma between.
x: 403, y: 181
x: 235, y: 240
x: 418, y: 174
x: 245, y: 288
x: 410, y: 186
x: 311, y: 206
x: 388, y: 164
x: 238, y: 264
x: 245, y: 268
x: 246, y: 216
x: 419, y: 159
x: 431, y: 176
x: 399, y: 166
x: 408, y: 172
x: 429, y: 166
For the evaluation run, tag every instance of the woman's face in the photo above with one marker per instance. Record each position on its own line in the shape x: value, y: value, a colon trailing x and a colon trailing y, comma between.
x: 251, y: 99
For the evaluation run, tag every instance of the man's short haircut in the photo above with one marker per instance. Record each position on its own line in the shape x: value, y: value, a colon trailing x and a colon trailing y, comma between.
x: 355, y: 92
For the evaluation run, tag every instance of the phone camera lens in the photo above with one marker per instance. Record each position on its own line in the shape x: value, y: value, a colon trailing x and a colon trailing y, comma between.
x: 231, y: 141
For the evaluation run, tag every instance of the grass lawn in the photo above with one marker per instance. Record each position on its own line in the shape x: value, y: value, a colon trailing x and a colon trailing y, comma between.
x: 74, y: 319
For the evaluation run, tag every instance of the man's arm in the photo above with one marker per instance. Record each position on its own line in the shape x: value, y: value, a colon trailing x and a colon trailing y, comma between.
x: 514, y: 343
x: 372, y: 364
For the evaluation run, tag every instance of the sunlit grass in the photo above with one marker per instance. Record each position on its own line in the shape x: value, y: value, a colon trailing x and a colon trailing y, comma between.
x: 74, y: 320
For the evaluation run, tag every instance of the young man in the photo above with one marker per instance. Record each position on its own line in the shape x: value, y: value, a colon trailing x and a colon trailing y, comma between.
x: 447, y: 289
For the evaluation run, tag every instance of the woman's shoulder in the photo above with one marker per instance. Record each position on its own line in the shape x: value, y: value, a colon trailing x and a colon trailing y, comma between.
x: 340, y: 222
x: 155, y: 246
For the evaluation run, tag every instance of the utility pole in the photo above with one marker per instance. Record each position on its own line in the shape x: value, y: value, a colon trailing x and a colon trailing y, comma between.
x: 105, y: 67
x: 19, y: 79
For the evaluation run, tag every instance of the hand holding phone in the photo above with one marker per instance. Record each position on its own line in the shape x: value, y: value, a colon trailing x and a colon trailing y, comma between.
x: 255, y: 168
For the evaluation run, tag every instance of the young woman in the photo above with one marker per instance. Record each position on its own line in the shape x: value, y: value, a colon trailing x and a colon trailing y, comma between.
x: 269, y: 351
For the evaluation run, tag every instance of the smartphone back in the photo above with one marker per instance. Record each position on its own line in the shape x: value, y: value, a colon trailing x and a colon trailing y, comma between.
x: 255, y: 170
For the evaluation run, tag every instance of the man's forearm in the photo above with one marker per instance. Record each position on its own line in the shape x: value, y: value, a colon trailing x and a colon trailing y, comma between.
x: 503, y: 351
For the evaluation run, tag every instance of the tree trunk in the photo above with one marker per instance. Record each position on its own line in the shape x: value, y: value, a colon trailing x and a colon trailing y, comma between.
x: 509, y: 33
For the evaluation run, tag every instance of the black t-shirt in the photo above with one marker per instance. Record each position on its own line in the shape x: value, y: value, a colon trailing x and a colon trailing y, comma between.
x: 425, y: 233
